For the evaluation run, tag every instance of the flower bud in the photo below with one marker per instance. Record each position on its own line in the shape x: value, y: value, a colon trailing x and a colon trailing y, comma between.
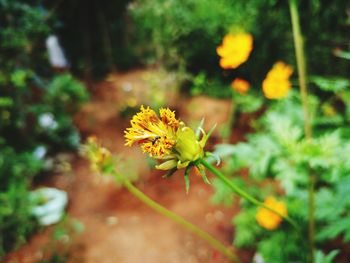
x: 187, y: 146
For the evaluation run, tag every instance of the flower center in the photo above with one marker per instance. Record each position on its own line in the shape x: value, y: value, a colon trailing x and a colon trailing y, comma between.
x: 157, y: 136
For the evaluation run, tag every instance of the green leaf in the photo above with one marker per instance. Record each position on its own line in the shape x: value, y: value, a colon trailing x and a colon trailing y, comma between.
x: 18, y: 78
x: 223, y: 194
x: 6, y: 101
x: 248, y: 102
x: 334, y: 229
x: 283, y: 129
x: 334, y: 84
x: 342, y: 54
x: 246, y: 228
x: 321, y: 257
x: 282, y: 246
x: 290, y: 176
x: 203, y: 174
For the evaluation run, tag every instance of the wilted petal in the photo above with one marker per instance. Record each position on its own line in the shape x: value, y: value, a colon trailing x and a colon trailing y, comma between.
x: 167, y: 165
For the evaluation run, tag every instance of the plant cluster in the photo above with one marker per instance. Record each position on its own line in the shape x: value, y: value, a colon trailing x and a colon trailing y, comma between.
x: 186, y: 34
x: 36, y: 108
x: 296, y: 159
x: 298, y: 152
x: 278, y: 152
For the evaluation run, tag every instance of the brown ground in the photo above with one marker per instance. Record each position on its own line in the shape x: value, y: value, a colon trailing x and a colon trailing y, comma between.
x: 118, y: 227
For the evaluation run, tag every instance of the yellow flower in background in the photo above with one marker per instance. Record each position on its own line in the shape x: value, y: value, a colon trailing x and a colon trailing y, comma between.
x: 268, y: 219
x: 98, y: 156
x: 276, y: 85
x: 165, y: 138
x: 328, y: 110
x: 240, y: 85
x: 235, y: 50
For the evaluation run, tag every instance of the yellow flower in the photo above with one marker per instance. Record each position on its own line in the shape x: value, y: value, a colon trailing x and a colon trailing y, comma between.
x: 328, y: 110
x: 276, y: 84
x: 235, y: 50
x: 165, y: 138
x: 98, y: 156
x: 268, y: 219
x: 240, y: 85
x: 157, y: 136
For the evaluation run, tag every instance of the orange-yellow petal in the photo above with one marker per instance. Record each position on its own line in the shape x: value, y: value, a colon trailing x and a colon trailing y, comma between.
x: 157, y: 136
x: 235, y: 50
x: 240, y: 85
x: 268, y: 219
x: 276, y: 85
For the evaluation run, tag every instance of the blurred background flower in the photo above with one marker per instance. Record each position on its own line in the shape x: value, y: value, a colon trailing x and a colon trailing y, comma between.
x: 276, y: 85
x: 235, y: 50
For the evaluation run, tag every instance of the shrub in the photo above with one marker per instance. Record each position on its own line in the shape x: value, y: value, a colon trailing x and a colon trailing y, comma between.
x: 35, y: 113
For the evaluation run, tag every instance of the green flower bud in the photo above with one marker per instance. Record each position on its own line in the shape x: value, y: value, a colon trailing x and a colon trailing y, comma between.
x: 167, y: 165
x: 187, y: 147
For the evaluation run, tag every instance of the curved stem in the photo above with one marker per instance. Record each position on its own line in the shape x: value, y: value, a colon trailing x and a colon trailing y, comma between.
x: 242, y: 193
x: 302, y: 77
x: 176, y: 218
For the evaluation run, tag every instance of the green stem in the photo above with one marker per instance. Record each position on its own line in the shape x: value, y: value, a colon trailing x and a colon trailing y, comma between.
x: 242, y: 193
x: 311, y: 226
x: 176, y: 218
x: 302, y: 77
x: 301, y: 65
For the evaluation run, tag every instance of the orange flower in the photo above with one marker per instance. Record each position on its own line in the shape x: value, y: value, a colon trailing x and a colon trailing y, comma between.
x: 268, y: 219
x: 235, y: 50
x: 240, y: 85
x: 276, y: 84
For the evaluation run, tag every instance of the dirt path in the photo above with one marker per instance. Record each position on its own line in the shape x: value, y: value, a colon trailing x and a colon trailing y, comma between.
x: 118, y: 227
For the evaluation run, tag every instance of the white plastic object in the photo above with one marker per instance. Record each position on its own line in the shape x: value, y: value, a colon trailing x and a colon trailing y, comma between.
x: 56, y: 54
x: 49, y: 205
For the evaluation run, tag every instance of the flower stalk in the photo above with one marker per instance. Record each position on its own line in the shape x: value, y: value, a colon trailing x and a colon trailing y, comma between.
x: 177, y: 146
x: 103, y: 161
x: 302, y: 78
x: 301, y: 65
x: 242, y: 193
x: 175, y: 217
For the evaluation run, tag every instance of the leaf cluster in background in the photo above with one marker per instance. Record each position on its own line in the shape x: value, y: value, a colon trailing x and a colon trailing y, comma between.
x: 16, y: 171
x: 278, y: 152
x: 36, y: 108
x: 188, y: 32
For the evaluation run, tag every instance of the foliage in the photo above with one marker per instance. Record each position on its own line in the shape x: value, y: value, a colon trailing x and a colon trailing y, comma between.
x: 335, y: 105
x: 16, y: 169
x: 188, y: 32
x: 214, y: 87
x: 62, y: 97
x: 35, y: 112
x: 170, y: 27
x: 201, y: 84
x: 278, y: 151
